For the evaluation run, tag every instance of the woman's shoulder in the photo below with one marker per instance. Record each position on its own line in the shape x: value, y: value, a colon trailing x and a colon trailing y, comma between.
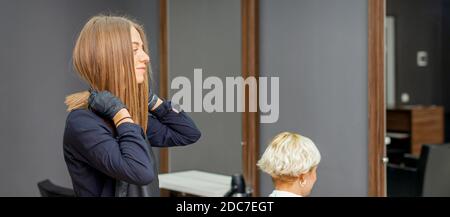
x: 81, y: 124
x: 83, y: 130
x: 83, y: 118
x: 80, y: 114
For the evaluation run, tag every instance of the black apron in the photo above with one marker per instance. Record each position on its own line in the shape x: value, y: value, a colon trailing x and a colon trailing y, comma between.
x: 124, y: 189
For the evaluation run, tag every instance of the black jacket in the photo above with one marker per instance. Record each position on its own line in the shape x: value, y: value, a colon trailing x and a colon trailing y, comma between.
x: 98, y: 154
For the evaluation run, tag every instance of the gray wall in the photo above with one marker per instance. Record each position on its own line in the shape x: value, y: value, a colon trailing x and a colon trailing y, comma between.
x: 207, y: 34
x: 318, y: 48
x: 35, y: 63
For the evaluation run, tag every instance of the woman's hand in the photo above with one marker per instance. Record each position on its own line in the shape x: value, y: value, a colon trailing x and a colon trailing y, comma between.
x: 105, y: 104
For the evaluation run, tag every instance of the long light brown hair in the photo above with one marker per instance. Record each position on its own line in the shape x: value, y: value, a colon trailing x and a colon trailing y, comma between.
x: 103, y: 57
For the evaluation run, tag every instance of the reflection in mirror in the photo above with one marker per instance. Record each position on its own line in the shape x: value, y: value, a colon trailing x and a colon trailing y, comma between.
x: 417, y: 98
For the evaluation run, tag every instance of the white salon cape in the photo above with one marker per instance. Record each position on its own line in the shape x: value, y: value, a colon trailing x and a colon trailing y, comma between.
x: 277, y: 193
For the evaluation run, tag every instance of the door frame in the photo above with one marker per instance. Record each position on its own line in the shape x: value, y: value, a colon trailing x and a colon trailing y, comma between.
x: 376, y: 99
x: 163, y: 75
x: 249, y: 58
x: 250, y: 67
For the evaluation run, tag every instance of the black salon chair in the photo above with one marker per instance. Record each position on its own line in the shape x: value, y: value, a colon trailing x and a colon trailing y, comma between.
x: 428, y: 175
x: 48, y: 189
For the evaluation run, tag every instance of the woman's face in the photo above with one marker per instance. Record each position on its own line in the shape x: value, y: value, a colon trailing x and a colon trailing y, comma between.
x: 140, y: 57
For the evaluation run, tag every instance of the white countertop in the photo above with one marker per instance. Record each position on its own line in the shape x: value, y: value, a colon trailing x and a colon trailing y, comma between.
x: 196, y: 183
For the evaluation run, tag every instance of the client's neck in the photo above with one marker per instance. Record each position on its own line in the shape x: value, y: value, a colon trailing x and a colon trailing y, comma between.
x: 290, y: 187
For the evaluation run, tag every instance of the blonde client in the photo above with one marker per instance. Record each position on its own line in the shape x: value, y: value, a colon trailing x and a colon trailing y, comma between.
x: 291, y: 160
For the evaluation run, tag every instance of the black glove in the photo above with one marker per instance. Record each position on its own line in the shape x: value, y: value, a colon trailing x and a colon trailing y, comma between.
x: 152, y: 100
x: 104, y: 103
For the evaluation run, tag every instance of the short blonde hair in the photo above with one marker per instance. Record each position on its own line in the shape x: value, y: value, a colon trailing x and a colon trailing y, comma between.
x: 289, y: 155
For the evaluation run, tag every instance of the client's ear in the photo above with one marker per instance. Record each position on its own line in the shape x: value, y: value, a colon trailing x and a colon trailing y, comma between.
x: 302, y: 180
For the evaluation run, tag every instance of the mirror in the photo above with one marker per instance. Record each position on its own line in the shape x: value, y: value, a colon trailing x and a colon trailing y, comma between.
x: 417, y: 99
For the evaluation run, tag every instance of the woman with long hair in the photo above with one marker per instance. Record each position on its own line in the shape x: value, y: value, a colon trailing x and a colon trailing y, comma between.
x: 110, y: 128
